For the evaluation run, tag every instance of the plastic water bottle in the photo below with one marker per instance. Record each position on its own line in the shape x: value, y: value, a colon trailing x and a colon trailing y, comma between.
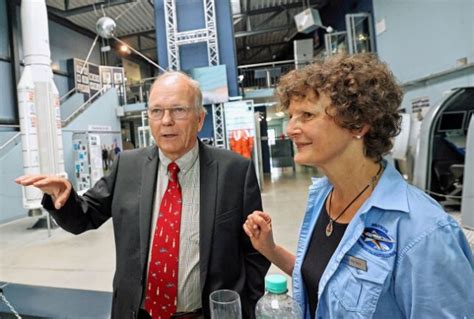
x: 276, y: 303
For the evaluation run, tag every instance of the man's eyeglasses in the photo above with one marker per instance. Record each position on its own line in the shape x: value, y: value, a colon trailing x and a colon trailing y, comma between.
x: 176, y: 113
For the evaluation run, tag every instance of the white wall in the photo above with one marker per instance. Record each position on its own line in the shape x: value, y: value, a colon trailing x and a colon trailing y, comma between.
x: 423, y: 37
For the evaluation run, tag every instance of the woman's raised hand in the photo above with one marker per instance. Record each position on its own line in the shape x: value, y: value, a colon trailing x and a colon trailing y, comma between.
x: 258, y: 227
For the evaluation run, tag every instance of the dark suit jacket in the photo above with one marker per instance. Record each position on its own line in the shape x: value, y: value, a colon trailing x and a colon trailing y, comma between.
x: 229, y: 192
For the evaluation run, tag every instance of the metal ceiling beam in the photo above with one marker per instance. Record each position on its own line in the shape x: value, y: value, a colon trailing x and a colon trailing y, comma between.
x: 261, y: 31
x: 269, y: 18
x: 253, y: 47
x: 268, y: 10
x: 256, y: 53
x: 238, y: 20
x: 149, y: 49
x: 68, y: 24
x: 146, y: 34
x: 87, y: 8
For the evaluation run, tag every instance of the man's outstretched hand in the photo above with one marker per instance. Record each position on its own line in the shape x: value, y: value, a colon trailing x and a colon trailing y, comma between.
x: 58, y: 188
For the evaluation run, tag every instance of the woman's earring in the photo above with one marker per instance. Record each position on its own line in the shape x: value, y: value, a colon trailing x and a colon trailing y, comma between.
x: 358, y: 137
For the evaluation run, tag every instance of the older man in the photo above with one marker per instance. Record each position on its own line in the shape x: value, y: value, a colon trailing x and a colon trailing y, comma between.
x: 177, y: 210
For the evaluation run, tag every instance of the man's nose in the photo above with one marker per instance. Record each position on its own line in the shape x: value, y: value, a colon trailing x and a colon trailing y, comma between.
x: 167, y: 118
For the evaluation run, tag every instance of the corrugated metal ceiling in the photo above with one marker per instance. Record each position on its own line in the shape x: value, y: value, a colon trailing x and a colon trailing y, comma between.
x: 132, y: 17
x: 251, y: 17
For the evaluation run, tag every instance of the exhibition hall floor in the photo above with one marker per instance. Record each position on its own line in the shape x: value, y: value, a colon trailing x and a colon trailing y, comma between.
x: 29, y: 256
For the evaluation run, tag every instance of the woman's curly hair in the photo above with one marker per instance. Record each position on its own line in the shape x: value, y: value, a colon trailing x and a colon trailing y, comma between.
x: 363, y: 91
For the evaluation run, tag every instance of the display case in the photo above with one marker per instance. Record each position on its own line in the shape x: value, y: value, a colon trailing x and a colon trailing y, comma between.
x: 336, y: 42
x: 360, y: 35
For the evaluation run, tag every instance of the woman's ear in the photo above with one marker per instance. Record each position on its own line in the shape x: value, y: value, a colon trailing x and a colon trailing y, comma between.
x: 359, y: 133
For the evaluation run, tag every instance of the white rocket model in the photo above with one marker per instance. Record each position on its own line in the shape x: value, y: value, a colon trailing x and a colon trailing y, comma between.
x: 38, y: 99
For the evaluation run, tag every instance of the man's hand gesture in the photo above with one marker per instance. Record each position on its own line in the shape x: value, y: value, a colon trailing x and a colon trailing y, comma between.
x: 58, y: 188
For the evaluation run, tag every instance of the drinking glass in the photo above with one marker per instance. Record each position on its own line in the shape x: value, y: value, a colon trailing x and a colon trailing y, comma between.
x: 225, y: 304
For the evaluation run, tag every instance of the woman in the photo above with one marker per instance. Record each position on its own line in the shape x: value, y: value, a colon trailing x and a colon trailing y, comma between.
x: 371, y: 246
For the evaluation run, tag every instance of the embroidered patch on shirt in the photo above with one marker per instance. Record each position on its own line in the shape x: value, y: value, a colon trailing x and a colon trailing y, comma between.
x: 375, y: 240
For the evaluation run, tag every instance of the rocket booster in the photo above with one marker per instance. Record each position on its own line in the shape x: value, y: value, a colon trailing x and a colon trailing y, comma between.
x: 38, y: 101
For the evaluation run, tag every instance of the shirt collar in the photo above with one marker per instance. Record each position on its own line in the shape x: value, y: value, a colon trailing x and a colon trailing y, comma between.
x: 390, y: 193
x: 185, y: 162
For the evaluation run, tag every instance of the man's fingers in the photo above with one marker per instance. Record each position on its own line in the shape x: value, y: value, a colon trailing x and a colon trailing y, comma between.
x: 27, y: 180
x: 62, y: 197
x: 58, y: 187
x: 49, y: 181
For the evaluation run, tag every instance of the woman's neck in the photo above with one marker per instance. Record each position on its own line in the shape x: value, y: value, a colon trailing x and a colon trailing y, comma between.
x: 349, y: 179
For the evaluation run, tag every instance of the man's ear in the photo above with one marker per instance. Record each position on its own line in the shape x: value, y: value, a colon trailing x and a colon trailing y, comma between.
x: 202, y: 116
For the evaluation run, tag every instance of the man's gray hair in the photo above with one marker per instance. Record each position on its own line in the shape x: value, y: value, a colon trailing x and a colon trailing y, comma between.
x: 192, y: 83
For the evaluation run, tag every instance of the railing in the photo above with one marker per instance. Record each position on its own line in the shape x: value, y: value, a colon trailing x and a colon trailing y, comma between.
x: 263, y: 75
x: 69, y: 93
x: 139, y: 92
x: 15, y: 139
x: 83, y: 107
x: 251, y: 76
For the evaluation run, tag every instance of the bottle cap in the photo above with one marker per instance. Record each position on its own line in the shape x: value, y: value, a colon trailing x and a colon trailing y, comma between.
x: 276, y: 284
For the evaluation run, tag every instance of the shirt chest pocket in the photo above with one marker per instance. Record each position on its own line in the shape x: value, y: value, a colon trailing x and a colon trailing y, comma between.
x: 357, y: 290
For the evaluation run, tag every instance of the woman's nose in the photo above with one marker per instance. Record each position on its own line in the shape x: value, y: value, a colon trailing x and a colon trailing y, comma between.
x: 292, y: 129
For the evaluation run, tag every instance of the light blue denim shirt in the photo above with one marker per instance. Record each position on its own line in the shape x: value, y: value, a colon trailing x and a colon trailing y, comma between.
x: 401, y: 256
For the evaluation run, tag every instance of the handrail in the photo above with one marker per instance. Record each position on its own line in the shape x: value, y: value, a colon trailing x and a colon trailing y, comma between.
x: 153, y: 78
x: 141, y: 82
x: 9, y: 141
x: 13, y: 139
x: 273, y: 63
x: 81, y: 108
x: 74, y: 89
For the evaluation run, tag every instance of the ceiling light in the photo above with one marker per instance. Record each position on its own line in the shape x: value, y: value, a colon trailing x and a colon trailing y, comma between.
x: 280, y: 114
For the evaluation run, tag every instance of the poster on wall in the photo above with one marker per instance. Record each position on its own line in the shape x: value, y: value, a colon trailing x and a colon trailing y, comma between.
x: 213, y: 83
x: 242, y: 132
x: 86, y: 79
x: 81, y: 161
x: 132, y: 71
x: 95, y: 158
x: 94, y: 79
x: 113, y: 76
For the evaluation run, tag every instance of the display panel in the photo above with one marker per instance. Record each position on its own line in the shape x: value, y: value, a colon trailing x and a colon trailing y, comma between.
x: 451, y: 121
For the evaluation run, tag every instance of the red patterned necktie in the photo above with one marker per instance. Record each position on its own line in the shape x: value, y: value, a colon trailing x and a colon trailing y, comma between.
x: 162, y: 285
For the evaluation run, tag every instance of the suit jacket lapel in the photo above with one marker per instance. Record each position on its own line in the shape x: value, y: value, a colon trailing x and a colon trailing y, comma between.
x: 146, y: 196
x: 208, y: 198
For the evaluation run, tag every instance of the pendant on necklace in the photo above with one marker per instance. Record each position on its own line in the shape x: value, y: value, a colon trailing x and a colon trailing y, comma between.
x: 329, y: 228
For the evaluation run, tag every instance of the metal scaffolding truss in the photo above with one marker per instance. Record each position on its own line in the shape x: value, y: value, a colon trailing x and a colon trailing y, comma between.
x: 175, y: 39
x: 219, y: 125
x: 193, y: 36
x: 171, y: 31
x: 209, y: 34
x: 212, y: 45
